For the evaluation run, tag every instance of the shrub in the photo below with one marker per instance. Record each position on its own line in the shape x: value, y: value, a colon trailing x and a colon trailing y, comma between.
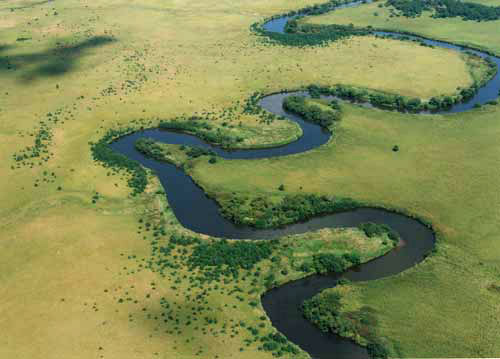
x: 327, y: 262
x: 311, y: 112
x: 262, y: 213
x: 222, y: 257
x: 377, y: 350
x: 374, y: 229
x: 447, y: 8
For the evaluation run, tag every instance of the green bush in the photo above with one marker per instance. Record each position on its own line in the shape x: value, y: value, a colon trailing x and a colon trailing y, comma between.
x: 222, y: 257
x: 377, y: 350
x: 374, y: 229
x: 327, y: 263
x: 260, y: 212
x: 311, y: 112
x: 447, y: 8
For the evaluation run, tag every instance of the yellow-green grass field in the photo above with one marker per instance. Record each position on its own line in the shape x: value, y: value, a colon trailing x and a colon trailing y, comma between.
x: 101, y: 65
x: 445, y: 173
x: 479, y: 34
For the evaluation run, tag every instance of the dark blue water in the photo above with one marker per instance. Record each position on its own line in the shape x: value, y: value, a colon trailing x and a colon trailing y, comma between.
x: 489, y: 92
x: 200, y: 213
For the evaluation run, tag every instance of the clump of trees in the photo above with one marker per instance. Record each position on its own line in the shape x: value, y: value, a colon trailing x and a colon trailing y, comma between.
x: 194, y: 152
x: 202, y: 129
x: 224, y: 258
x: 150, y: 148
x: 447, y: 8
x: 312, y: 112
x: 324, y: 310
x: 278, y: 344
x: 183, y: 240
x: 310, y: 34
x: 260, y: 212
x: 400, y: 103
x: 375, y: 230
x: 331, y: 263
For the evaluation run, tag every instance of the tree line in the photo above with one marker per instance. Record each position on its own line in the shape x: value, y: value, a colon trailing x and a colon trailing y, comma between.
x: 197, y: 126
x: 395, y: 102
x: 447, y: 8
x: 312, y: 112
x: 324, y: 310
x: 260, y: 212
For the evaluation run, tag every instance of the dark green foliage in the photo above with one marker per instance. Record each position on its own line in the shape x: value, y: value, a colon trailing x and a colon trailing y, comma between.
x: 252, y: 104
x: 377, y: 99
x: 260, y: 212
x: 278, y: 344
x: 152, y: 149
x: 222, y: 257
x: 184, y: 240
x: 311, y: 112
x: 447, y: 8
x: 374, y: 229
x: 309, y: 34
x: 324, y: 310
x: 395, y: 148
x: 377, y: 350
x: 269, y: 281
x: 354, y: 258
x: 270, y: 346
x: 312, y: 34
x: 194, y: 152
x: 384, y: 100
x: 41, y: 143
x: 410, y: 8
x: 329, y: 263
x: 101, y: 152
x: 200, y: 128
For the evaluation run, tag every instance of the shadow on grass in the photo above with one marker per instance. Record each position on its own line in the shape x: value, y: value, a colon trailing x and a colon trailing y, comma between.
x: 50, y: 63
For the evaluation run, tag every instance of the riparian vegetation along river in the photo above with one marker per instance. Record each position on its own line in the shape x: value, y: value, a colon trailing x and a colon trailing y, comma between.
x: 201, y: 214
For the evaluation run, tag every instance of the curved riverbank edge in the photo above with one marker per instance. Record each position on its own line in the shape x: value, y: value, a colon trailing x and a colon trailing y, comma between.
x: 349, y: 345
x: 476, y: 95
x: 258, y: 26
x: 468, y: 45
x: 200, y: 213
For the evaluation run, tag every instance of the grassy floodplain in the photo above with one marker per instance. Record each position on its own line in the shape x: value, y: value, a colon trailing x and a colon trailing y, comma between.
x: 478, y: 34
x: 445, y: 173
x: 66, y: 261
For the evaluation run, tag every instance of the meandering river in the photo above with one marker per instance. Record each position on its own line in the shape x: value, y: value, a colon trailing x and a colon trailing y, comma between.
x: 201, y: 214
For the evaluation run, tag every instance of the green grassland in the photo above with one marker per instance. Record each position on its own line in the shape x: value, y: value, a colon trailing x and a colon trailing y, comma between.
x: 93, y: 66
x: 445, y: 173
x: 478, y: 34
